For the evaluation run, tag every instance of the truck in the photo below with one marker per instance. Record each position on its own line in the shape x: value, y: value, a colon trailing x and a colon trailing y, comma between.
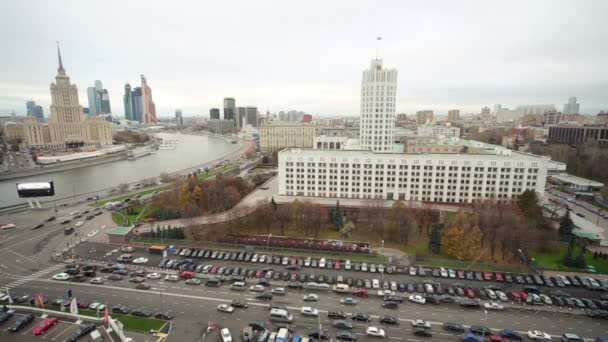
x: 282, y: 335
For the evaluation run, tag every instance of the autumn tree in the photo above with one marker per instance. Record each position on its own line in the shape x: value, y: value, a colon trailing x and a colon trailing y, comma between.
x: 401, y: 218
x: 462, y: 237
x: 347, y: 230
x: 282, y: 216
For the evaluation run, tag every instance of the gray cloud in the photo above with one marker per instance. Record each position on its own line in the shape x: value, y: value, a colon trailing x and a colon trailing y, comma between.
x: 309, y: 55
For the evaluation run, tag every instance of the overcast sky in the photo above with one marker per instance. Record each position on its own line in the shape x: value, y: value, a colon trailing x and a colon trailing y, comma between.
x: 308, y: 55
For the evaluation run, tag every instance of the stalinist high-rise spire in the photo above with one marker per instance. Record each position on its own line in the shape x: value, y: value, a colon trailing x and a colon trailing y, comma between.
x: 60, y: 70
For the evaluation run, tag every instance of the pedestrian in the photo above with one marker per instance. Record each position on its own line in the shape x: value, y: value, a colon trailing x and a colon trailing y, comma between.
x: 4, y: 308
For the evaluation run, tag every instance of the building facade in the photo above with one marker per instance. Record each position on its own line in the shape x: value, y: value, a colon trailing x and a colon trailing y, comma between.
x: 67, y: 127
x: 132, y: 101
x: 424, y: 117
x: 147, y: 103
x: 220, y: 126
x: 378, y: 94
x: 577, y: 134
x: 214, y: 113
x: 99, y: 99
x: 277, y: 137
x: 572, y: 107
x: 230, y: 109
x: 252, y: 116
x: 434, y: 131
x: 34, y: 110
x: 451, y: 178
x: 453, y: 115
x: 179, y: 118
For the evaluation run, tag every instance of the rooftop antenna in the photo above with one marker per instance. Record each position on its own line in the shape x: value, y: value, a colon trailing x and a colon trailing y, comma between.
x: 377, y: 40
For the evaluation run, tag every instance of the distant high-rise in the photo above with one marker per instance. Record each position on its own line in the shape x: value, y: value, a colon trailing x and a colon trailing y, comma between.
x: 34, y: 110
x: 148, y: 106
x: 230, y: 109
x: 424, y: 117
x: 572, y: 107
x: 251, y: 116
x: 179, y: 119
x: 138, y: 112
x: 214, y: 114
x: 127, y: 101
x: 453, y: 115
x: 378, y: 117
x: 99, y: 99
x: 485, y: 113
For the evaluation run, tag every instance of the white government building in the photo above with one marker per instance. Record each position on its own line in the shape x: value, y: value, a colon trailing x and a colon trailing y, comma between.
x: 376, y: 171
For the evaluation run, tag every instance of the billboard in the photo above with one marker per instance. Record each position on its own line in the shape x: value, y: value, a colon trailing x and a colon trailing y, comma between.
x: 37, y: 189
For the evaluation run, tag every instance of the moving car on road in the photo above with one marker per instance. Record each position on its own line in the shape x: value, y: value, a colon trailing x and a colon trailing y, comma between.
x: 225, y: 308
x: 375, y: 331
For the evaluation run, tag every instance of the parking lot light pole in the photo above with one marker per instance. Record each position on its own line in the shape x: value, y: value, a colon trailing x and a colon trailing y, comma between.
x: 268, y: 241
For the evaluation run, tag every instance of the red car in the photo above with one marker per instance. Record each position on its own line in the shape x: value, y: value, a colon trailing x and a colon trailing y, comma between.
x: 524, y: 296
x: 337, y: 265
x: 187, y: 275
x: 360, y: 292
x: 214, y: 269
x: 469, y: 292
x: 259, y: 274
x: 515, y: 295
x: 487, y: 276
x: 460, y: 274
x: 499, y: 277
x: 494, y: 338
x: 293, y: 277
x: 45, y: 325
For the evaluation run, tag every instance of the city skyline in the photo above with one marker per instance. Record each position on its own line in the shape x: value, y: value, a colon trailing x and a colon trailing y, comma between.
x: 452, y: 64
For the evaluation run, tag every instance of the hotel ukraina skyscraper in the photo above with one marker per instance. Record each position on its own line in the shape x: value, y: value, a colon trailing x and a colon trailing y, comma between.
x: 67, y: 127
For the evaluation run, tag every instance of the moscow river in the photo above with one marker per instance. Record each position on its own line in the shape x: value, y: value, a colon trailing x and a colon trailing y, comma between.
x: 191, y: 150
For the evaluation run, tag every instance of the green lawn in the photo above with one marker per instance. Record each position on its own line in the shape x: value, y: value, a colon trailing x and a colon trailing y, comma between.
x: 552, y: 260
x: 124, y: 197
x: 217, y: 171
x: 131, y: 323
x: 453, y: 263
x: 119, y: 219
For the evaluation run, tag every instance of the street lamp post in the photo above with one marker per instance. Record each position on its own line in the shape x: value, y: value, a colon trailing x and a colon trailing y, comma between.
x: 268, y: 241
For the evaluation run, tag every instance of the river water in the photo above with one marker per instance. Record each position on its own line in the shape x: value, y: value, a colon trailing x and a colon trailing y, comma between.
x: 191, y: 150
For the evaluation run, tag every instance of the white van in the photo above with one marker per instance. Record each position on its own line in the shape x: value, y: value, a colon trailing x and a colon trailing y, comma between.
x: 280, y: 315
x: 238, y: 286
x: 341, y: 288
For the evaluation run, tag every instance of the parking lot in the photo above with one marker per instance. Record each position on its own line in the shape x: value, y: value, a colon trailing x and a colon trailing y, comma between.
x: 61, y: 331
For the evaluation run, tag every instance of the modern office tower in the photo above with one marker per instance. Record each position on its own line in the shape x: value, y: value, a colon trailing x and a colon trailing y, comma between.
x: 127, y: 100
x: 148, y: 106
x: 179, y: 119
x: 424, y: 117
x: 138, y: 111
x: 214, y: 113
x: 240, y: 115
x: 378, y: 93
x: 252, y: 116
x: 572, y: 107
x: 99, y: 99
x: 230, y: 109
x: 453, y: 115
x: 34, y: 110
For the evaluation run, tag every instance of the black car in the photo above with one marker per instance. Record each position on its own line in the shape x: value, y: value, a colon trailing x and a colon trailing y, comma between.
x: 141, y: 312
x: 431, y: 300
x: 239, y: 303
x: 5, y: 316
x: 361, y: 317
x: 168, y: 315
x: 389, y: 320
x: 106, y: 270
x: 39, y: 225
x: 469, y: 303
x: 453, y: 326
x: 319, y: 334
x: 72, y: 271
x: 114, y: 277
x: 121, y: 272
x: 264, y: 296
x: 480, y: 330
x: 52, y: 218
x: 121, y: 309
x: 82, y: 331
x: 390, y: 305
x: 397, y: 299
x: 79, y: 278
x: 294, y: 285
x: 423, y: 332
x: 343, y: 324
x: 21, y: 299
x: 346, y: 336
x: 336, y: 314
x: 138, y: 274
x: 257, y: 325
x: 21, y: 322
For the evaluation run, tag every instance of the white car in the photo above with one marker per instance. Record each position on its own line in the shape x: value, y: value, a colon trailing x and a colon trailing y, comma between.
x: 443, y: 272
x: 61, y: 276
x: 311, y: 297
x: 279, y: 291
x: 493, y: 306
x: 546, y: 299
x: 308, y: 311
x: 452, y: 273
x: 141, y: 260
x: 539, y: 335
x: 97, y: 306
x: 502, y: 296
x: 375, y: 284
x: 171, y: 277
x: 96, y: 280
x: 225, y: 308
x: 307, y: 262
x: 412, y: 271
x: 421, y: 323
x: 226, y: 336
x: 375, y: 332
x: 285, y: 261
x: 79, y: 223
x: 154, y: 275
x: 347, y: 265
x: 257, y: 288
x: 254, y: 258
x: 322, y: 263
x: 418, y: 299
x: 491, y: 293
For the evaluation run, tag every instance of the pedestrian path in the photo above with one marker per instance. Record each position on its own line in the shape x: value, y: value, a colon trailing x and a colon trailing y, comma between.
x: 24, y: 279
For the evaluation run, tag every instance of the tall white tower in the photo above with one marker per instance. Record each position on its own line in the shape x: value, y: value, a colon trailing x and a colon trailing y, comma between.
x: 378, y: 93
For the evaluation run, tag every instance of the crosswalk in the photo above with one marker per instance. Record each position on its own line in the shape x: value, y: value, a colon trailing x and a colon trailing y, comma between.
x: 24, y: 279
x: 31, y: 258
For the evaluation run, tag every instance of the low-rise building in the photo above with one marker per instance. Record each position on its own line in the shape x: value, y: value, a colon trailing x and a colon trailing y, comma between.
x: 220, y: 126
